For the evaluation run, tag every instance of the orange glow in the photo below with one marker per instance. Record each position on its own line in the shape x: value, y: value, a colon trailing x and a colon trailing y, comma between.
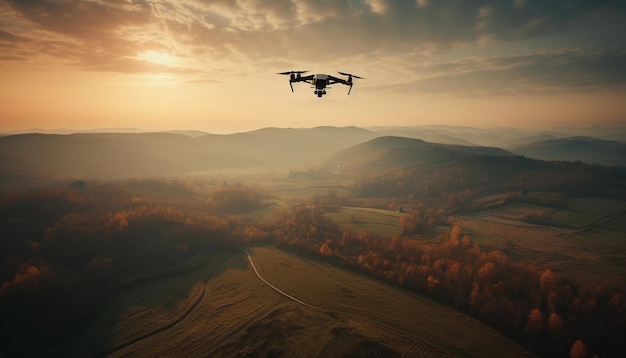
x: 212, y: 67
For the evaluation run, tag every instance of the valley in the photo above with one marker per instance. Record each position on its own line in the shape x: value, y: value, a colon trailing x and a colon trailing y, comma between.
x: 137, y: 245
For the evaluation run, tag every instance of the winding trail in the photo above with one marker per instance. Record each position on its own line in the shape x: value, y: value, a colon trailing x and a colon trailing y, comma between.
x: 169, y: 325
x: 195, y: 305
x: 276, y: 288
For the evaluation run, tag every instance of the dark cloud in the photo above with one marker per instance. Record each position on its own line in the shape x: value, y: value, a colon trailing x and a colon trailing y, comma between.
x: 111, y: 35
x: 83, y: 19
x: 75, y: 31
x: 564, y: 70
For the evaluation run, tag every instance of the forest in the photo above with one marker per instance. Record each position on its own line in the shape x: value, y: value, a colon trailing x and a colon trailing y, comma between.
x: 550, y: 315
x: 67, y: 248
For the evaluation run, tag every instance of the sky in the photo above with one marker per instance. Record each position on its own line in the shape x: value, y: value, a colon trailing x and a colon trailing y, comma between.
x: 212, y: 65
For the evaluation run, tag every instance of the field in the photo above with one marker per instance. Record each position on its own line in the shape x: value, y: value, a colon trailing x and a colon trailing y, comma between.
x: 223, y: 309
x: 584, y: 240
x: 140, y: 309
x: 382, y: 222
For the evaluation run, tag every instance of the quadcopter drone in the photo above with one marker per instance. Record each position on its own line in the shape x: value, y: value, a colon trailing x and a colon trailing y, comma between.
x: 319, y: 81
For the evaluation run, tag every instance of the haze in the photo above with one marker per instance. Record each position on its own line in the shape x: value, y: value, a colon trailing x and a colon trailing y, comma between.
x: 211, y: 65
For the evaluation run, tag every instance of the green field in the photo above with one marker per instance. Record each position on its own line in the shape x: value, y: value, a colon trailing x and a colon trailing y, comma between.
x: 143, y: 308
x: 583, y: 240
x: 223, y: 309
x: 584, y: 212
x: 378, y: 221
x: 404, y: 321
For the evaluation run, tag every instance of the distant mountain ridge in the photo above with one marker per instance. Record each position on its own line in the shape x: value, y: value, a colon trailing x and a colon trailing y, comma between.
x: 579, y: 148
x: 124, y: 155
x: 114, y: 155
x: 391, y: 152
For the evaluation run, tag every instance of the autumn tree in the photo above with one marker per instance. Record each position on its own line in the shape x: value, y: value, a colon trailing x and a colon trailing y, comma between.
x: 578, y: 350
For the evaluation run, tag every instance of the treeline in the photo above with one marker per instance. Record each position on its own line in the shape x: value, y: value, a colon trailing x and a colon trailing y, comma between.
x: 454, y: 178
x: 550, y: 315
x: 63, y: 249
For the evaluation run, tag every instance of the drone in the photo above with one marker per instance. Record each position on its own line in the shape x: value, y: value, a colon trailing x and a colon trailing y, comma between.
x: 319, y: 81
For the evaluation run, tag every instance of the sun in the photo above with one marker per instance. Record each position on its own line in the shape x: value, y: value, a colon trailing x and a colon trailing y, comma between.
x: 159, y: 57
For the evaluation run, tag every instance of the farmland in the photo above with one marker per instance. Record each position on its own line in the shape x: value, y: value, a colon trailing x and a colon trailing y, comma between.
x: 237, y: 314
x: 583, y: 240
x: 381, y: 222
x: 213, y: 304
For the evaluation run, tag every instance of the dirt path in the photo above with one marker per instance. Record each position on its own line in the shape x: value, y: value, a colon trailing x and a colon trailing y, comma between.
x: 276, y: 288
x: 169, y: 325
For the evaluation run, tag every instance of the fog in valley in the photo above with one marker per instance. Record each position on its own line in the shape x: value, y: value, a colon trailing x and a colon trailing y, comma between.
x: 121, y: 153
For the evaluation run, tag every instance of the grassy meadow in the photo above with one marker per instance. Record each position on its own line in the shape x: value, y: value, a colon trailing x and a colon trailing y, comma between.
x: 223, y: 309
x: 582, y: 240
x: 378, y: 221
x: 147, y: 305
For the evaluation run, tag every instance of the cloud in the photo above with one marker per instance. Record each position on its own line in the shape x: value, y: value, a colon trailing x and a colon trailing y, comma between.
x: 206, y: 35
x: 543, y: 72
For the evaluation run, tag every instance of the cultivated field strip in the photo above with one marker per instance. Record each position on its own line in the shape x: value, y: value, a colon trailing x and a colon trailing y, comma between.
x: 256, y: 272
x: 583, y: 240
x: 141, y: 311
x: 422, y: 351
x: 416, y: 350
x: 241, y: 314
x: 386, y: 313
x: 229, y: 305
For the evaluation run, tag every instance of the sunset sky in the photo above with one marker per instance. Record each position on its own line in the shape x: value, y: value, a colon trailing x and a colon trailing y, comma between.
x: 211, y: 64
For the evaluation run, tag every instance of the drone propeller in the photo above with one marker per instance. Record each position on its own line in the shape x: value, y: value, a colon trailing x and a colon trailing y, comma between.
x: 293, y: 76
x: 291, y: 72
x: 349, y: 75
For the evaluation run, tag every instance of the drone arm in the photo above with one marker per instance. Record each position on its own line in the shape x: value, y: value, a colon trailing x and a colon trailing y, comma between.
x: 333, y: 80
x: 305, y: 79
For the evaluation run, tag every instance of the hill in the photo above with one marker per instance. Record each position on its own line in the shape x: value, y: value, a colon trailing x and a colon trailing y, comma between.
x: 395, y: 166
x: 390, y: 151
x: 585, y: 149
x: 26, y: 159
x: 508, y: 138
x: 272, y: 146
x: 31, y: 157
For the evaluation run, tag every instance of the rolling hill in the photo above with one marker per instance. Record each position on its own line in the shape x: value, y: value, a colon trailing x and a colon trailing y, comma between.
x: 384, y: 153
x: 396, y: 166
x: 585, y: 149
x: 29, y: 158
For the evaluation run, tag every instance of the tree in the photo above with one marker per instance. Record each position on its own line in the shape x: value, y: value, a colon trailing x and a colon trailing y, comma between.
x: 578, y: 350
x: 556, y: 328
x: 325, y: 250
x: 547, y: 282
x: 534, y: 328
